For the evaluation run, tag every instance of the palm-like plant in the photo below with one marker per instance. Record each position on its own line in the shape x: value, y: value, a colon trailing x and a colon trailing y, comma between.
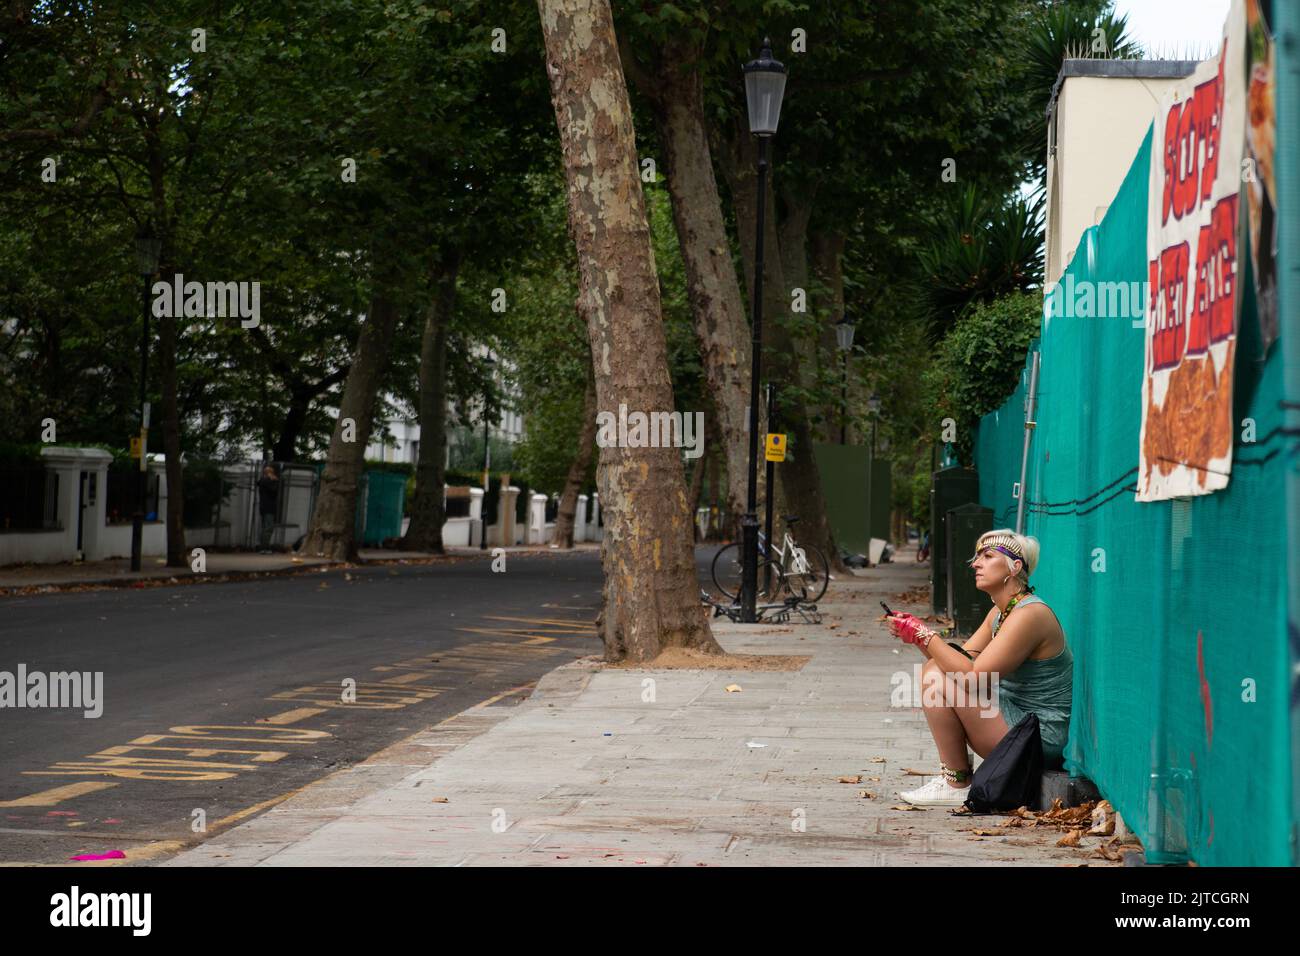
x: 1057, y: 32
x: 981, y: 247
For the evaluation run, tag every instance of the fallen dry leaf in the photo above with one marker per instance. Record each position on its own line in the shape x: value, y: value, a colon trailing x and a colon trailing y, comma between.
x: 906, y: 806
x: 733, y: 688
x: 876, y: 760
x: 990, y: 832
x: 866, y: 795
x: 857, y: 779
x: 1070, y: 839
x: 908, y: 771
x: 441, y: 800
x: 1103, y: 819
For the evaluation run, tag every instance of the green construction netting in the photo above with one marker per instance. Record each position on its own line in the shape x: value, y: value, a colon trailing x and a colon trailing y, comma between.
x: 1188, y: 614
x: 999, y: 465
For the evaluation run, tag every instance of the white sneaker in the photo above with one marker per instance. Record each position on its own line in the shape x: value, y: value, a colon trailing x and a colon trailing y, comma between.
x: 937, y: 793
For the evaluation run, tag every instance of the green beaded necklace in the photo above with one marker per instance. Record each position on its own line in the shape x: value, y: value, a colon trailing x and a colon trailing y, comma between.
x: 1010, y: 607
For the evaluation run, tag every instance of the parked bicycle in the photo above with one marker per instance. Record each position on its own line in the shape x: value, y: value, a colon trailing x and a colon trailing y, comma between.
x: 788, y: 570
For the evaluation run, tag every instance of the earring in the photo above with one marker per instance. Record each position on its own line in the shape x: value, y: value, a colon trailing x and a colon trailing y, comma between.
x: 1006, y: 579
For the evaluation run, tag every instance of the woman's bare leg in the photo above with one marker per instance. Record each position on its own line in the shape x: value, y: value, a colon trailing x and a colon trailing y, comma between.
x: 945, y: 726
x: 983, y: 727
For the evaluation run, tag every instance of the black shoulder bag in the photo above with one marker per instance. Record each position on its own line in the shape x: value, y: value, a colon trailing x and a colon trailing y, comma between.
x: 1012, y: 774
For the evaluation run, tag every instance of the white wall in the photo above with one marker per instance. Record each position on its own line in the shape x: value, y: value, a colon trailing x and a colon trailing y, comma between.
x: 1100, y: 123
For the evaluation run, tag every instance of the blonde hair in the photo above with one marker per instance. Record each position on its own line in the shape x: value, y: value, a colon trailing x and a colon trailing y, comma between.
x: 1023, y: 546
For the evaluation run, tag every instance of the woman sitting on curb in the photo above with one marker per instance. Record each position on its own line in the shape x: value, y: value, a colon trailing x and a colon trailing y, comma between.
x: 1025, y: 655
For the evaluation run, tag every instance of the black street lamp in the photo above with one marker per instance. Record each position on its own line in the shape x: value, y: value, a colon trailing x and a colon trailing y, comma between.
x: 873, y: 406
x: 764, y: 88
x: 844, y: 342
x: 770, y: 486
x: 147, y: 248
x: 487, y: 456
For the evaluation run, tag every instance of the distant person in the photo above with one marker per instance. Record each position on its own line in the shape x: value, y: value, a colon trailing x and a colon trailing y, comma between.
x: 1025, y: 652
x: 268, y: 500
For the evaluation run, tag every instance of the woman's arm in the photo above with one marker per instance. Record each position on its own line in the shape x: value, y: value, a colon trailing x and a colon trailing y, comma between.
x: 949, y: 659
x: 983, y: 634
x: 1018, y: 637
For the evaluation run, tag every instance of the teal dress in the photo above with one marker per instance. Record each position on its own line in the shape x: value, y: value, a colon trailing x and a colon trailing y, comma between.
x: 1043, y: 687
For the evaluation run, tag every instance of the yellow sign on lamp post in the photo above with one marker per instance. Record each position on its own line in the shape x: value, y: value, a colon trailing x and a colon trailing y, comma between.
x: 138, y: 445
x: 775, y: 447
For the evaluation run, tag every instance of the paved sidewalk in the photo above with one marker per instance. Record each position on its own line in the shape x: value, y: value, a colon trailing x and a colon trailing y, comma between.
x: 587, y: 771
x: 116, y: 572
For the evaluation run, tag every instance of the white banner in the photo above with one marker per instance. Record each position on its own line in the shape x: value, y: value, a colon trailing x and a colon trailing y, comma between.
x: 1193, y: 226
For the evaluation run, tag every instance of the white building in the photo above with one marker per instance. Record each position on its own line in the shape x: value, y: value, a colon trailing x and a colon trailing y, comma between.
x: 1099, y: 113
x: 398, y: 438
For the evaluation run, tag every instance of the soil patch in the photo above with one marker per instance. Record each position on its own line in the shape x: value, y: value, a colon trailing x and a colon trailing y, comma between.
x: 681, y: 658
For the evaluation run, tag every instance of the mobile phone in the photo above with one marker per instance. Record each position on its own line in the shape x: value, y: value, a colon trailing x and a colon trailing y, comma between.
x: 888, y: 612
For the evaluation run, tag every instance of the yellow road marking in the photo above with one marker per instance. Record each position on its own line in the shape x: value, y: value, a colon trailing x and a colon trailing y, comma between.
x: 492, y: 700
x: 55, y: 796
x: 291, y: 716
x: 249, y: 811
x: 503, y: 633
x: 164, y: 847
x: 411, y: 678
x: 549, y: 621
x: 497, y: 632
x: 287, y: 735
x: 262, y: 756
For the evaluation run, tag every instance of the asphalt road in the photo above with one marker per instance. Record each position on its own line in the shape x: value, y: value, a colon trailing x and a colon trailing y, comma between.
x: 219, y: 697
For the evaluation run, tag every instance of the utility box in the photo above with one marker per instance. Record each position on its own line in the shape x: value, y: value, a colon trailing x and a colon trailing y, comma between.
x: 950, y: 488
x: 967, y: 604
x: 380, y: 504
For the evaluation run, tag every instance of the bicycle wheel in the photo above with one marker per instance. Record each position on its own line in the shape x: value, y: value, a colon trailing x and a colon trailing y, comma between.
x: 810, y: 585
x: 729, y: 568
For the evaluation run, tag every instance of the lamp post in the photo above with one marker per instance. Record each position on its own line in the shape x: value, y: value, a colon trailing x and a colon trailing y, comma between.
x: 764, y: 88
x: 770, y: 486
x: 147, y: 248
x: 873, y: 406
x: 844, y: 342
x: 487, y: 454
